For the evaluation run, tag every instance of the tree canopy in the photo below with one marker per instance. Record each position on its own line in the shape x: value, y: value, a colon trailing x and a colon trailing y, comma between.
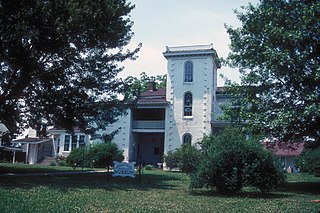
x: 59, y: 61
x: 277, y: 49
x: 135, y: 86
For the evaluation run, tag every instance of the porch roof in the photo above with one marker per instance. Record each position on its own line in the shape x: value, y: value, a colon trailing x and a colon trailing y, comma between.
x: 32, y: 140
x: 11, y: 148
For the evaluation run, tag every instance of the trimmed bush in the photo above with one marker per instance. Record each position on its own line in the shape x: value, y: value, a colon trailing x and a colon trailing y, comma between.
x: 102, y: 155
x: 99, y: 155
x: 229, y: 162
x: 76, y: 157
x: 186, y: 158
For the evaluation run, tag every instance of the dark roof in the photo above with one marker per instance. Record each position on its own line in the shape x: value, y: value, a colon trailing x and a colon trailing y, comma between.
x: 221, y: 90
x: 153, y: 96
x: 285, y: 148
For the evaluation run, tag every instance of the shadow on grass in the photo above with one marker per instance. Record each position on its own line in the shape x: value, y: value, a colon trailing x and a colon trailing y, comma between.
x: 242, y: 194
x: 282, y: 192
x: 302, y: 188
x: 23, y: 169
x: 91, y: 181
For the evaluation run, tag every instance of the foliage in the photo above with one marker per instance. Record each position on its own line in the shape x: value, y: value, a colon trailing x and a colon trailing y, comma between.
x: 171, y: 159
x: 62, y: 163
x: 52, y: 164
x: 186, y: 158
x: 135, y: 86
x: 309, y: 161
x: 77, y: 157
x: 99, y: 155
x: 148, y: 167
x: 230, y: 162
x: 102, y: 155
x: 161, y: 191
x: 277, y: 50
x: 59, y: 61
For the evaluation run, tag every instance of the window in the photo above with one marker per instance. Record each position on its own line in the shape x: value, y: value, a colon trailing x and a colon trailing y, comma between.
x: 66, y: 143
x: 58, y: 145
x: 187, y: 138
x: 81, y: 141
x: 283, y: 162
x: 73, y: 143
x: 187, y: 104
x: 188, y: 71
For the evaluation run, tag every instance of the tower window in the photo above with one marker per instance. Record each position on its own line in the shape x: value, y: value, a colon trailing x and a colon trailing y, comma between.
x: 187, y: 138
x: 187, y: 104
x: 188, y: 71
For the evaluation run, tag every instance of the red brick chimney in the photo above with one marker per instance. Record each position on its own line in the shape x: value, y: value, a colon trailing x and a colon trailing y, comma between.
x: 152, y: 86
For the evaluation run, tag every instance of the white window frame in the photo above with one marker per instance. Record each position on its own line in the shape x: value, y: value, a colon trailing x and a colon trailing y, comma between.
x: 188, y: 72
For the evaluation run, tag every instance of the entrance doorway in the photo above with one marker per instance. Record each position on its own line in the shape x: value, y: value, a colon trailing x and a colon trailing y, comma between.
x: 149, y: 148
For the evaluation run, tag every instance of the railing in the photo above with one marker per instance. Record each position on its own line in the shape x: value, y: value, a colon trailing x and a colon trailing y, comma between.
x: 139, y: 124
x: 189, y: 48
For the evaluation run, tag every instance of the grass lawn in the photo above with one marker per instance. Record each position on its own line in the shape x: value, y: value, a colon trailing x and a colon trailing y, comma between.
x: 26, y: 168
x: 159, y: 191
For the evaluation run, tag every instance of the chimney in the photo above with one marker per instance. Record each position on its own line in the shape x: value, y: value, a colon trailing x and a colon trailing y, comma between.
x: 152, y: 86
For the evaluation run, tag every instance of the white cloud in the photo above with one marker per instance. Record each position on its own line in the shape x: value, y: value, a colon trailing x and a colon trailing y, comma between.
x: 160, y: 23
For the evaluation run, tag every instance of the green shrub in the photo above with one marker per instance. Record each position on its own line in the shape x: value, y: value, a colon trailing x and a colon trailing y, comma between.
x: 189, y: 157
x: 148, y: 167
x: 309, y: 161
x: 186, y: 158
x: 76, y: 157
x: 171, y: 159
x: 229, y: 162
x: 52, y: 164
x: 62, y: 163
x: 100, y: 155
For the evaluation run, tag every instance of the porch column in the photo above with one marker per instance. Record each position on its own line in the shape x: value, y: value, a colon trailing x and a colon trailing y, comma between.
x: 54, y: 146
x: 14, y: 156
x: 27, y: 153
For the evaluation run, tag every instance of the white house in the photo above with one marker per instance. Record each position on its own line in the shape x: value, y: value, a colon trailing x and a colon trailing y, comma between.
x: 63, y: 142
x: 59, y: 144
x: 184, y: 112
x: 163, y: 119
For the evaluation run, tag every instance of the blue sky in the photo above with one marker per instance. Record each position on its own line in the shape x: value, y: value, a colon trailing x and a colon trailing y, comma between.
x: 161, y: 23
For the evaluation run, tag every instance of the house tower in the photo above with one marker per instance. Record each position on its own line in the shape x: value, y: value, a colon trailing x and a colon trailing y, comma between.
x: 191, y: 88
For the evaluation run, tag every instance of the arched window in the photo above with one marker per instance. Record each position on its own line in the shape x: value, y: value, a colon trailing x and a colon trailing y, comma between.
x: 188, y: 71
x: 187, y: 111
x: 187, y: 138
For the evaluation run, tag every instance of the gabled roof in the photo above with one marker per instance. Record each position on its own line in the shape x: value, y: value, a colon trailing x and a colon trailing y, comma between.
x: 153, y: 96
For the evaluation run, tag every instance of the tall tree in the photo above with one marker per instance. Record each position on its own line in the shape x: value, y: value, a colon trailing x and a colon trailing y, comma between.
x: 135, y: 86
x: 59, y: 60
x: 277, y: 49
